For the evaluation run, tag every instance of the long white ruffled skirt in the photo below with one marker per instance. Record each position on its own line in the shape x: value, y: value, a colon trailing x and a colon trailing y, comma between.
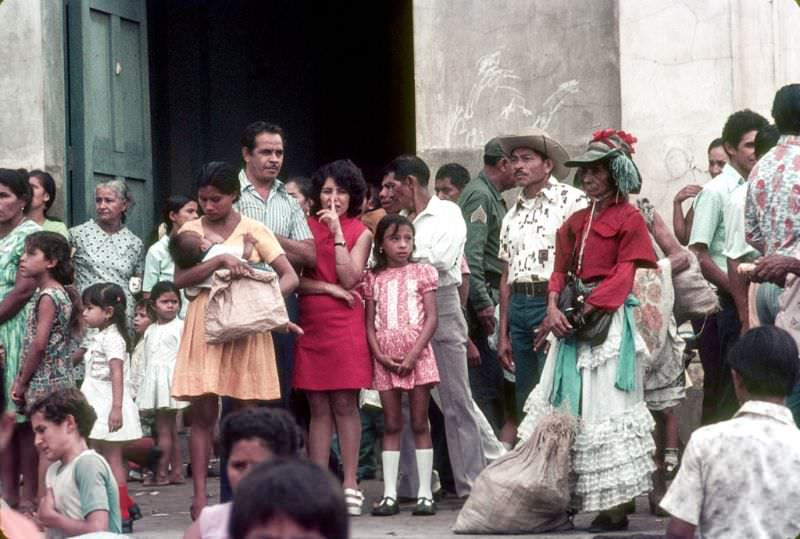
x: 612, y: 455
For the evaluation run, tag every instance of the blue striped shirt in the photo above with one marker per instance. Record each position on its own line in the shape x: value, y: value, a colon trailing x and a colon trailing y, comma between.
x: 279, y: 212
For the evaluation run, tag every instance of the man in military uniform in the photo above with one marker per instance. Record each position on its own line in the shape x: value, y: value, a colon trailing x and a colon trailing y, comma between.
x: 483, y: 209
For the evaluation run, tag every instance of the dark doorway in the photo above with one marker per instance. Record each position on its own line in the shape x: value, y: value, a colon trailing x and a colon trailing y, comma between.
x: 337, y: 76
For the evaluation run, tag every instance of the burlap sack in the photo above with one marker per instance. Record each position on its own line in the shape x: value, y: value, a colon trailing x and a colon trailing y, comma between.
x: 694, y: 297
x: 527, y: 489
x: 245, y: 306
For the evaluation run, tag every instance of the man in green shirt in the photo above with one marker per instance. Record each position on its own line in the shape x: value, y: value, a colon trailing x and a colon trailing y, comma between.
x: 483, y: 209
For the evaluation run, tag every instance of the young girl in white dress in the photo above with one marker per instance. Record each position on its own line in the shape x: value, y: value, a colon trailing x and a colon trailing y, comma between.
x: 161, y: 342
x: 105, y: 383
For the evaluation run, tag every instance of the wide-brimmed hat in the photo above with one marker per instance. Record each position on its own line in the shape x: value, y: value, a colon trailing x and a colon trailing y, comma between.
x: 538, y: 139
x: 616, y: 147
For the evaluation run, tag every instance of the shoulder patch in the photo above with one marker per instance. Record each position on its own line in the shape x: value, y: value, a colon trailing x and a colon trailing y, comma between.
x: 478, y: 216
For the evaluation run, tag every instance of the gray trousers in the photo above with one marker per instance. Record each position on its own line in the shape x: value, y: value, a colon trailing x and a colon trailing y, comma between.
x: 454, y: 399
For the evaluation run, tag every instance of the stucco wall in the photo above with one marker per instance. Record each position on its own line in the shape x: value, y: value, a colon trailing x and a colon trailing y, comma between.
x: 685, y: 66
x: 488, y: 68
x: 32, y: 104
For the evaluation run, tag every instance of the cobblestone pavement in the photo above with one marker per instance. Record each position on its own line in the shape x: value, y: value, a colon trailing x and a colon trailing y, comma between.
x: 166, y: 515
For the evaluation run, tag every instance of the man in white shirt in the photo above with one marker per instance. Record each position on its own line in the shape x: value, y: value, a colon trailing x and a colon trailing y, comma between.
x: 439, y: 241
x: 737, y: 477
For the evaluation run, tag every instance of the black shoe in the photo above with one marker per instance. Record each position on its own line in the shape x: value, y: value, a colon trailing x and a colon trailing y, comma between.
x: 425, y: 508
x: 135, y: 512
x: 127, y: 526
x: 386, y: 507
x: 603, y: 523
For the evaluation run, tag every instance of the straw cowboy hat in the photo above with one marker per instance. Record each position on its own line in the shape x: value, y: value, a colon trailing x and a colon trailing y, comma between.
x: 538, y: 139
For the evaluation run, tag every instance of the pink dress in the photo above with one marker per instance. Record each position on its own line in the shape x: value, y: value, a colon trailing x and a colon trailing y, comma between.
x: 333, y: 354
x: 399, y: 317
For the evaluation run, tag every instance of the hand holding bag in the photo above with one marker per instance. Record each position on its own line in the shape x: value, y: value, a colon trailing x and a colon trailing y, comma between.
x: 245, y: 306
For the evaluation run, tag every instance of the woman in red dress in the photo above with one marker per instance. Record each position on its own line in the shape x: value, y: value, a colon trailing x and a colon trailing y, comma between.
x: 332, y: 359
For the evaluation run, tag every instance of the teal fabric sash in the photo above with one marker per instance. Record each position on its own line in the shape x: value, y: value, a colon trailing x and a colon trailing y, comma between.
x: 567, y: 377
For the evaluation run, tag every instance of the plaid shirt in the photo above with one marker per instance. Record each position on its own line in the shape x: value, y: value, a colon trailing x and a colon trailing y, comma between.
x: 279, y: 212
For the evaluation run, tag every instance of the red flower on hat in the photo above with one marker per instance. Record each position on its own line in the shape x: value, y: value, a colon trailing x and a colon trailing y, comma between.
x: 629, y: 139
x: 605, y: 134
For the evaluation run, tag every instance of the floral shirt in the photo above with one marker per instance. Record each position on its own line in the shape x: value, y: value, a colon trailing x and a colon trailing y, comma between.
x: 772, y: 210
x: 528, y: 234
x: 733, y: 477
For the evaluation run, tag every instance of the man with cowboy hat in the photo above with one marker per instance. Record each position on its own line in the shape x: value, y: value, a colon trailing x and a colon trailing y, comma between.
x: 527, y: 249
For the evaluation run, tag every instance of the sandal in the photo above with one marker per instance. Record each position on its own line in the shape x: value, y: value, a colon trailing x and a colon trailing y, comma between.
x: 153, y: 480
x: 354, y: 500
x: 386, y: 507
x: 425, y: 508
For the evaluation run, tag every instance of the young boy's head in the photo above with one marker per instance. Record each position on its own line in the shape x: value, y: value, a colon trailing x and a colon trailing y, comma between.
x: 764, y: 363
x: 304, y: 501
x: 59, y: 420
x: 186, y: 249
x: 254, y: 435
x: 142, y: 317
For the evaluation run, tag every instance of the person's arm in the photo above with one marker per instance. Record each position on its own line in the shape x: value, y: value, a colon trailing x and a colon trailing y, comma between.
x: 775, y: 268
x: 683, y: 225
x: 669, y: 243
x: 115, y: 416
x: 46, y: 311
x: 428, y: 329
x: 311, y: 287
x: 96, y: 521
x: 301, y: 253
x: 709, y: 268
x: 287, y: 278
x: 199, y: 273
x: 503, y: 342
x: 372, y: 339
x: 738, y: 287
x: 476, y: 217
x: 680, y: 529
x: 24, y: 288
x: 350, y: 264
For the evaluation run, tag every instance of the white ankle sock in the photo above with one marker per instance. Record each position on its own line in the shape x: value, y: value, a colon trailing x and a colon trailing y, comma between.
x: 391, y: 464
x: 424, y: 472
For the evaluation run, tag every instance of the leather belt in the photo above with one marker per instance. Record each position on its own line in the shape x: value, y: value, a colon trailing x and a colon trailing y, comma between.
x: 536, y: 289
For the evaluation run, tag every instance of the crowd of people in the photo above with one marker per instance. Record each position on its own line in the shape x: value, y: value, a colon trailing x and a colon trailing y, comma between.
x: 464, y: 321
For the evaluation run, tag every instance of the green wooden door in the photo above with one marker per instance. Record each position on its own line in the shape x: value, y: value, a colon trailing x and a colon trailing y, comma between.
x: 109, y: 104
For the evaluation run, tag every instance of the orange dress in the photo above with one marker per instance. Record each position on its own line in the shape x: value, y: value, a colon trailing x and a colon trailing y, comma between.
x: 243, y: 369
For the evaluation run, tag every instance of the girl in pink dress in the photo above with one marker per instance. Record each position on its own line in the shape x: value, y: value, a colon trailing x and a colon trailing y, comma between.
x: 401, y: 319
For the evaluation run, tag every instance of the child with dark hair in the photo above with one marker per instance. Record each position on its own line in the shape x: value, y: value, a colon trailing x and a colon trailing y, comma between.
x: 304, y: 501
x: 247, y: 437
x: 46, y: 360
x: 161, y: 342
x: 81, y: 491
x: 735, y: 476
x: 105, y: 383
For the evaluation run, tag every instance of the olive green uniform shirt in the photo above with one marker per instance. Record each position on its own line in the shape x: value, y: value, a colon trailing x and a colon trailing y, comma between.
x: 483, y: 209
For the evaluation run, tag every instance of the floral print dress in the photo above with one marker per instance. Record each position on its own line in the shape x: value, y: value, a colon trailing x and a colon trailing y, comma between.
x: 55, y: 370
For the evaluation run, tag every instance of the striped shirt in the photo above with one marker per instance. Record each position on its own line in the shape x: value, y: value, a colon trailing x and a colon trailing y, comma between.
x: 279, y: 212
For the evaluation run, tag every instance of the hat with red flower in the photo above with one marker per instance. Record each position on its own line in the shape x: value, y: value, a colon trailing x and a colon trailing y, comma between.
x: 615, y: 147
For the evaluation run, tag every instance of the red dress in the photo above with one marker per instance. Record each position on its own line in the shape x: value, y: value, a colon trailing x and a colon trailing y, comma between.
x: 333, y: 354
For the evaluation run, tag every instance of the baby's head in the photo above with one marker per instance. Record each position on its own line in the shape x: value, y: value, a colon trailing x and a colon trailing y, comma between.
x: 186, y: 249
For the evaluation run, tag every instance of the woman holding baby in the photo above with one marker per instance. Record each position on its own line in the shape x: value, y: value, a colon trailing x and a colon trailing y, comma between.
x: 244, y: 369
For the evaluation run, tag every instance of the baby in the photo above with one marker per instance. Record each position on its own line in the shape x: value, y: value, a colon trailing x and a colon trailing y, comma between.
x: 190, y: 248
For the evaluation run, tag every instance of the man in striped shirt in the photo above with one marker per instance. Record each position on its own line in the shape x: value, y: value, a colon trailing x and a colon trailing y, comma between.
x: 264, y: 197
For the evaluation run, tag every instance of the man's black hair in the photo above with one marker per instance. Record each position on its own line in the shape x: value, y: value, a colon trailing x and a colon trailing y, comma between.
x: 786, y: 109
x: 459, y: 176
x: 739, y: 124
x: 766, y: 359
x: 409, y: 165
